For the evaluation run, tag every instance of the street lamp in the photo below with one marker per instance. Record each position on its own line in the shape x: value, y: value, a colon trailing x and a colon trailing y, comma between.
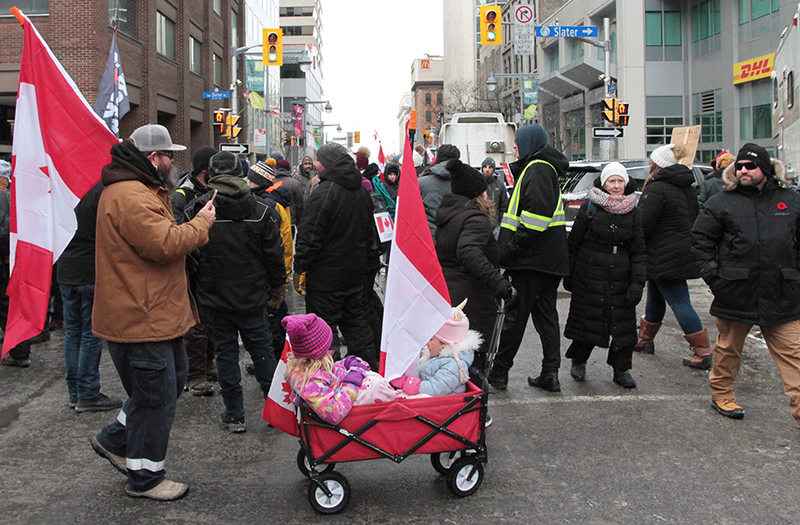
x: 491, y: 82
x: 304, y: 62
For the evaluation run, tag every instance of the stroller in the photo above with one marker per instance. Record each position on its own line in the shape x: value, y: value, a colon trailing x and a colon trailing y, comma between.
x: 452, y: 429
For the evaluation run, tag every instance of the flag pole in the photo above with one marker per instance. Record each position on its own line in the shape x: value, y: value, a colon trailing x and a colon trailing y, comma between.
x: 18, y: 15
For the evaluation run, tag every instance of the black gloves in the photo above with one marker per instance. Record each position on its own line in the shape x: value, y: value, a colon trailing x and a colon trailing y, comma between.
x: 634, y: 294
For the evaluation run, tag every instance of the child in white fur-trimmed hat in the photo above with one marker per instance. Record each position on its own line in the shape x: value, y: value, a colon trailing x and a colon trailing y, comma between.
x: 445, y: 359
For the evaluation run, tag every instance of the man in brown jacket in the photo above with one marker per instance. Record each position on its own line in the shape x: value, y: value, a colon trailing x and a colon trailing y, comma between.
x: 142, y: 305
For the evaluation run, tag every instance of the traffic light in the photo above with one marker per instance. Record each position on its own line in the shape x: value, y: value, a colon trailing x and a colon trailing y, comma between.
x: 231, y: 130
x: 273, y: 47
x: 291, y: 140
x: 219, y: 122
x: 357, y: 137
x: 491, y: 27
x: 427, y: 136
x: 622, y: 113
x: 610, y: 110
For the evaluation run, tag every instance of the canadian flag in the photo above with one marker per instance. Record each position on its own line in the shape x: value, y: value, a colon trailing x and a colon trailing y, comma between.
x: 381, y: 160
x: 278, y: 409
x: 417, y: 302
x: 60, y: 147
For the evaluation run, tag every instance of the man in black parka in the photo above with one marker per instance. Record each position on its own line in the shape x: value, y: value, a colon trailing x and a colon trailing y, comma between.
x: 533, y: 250
x: 333, y: 237
x: 746, y: 244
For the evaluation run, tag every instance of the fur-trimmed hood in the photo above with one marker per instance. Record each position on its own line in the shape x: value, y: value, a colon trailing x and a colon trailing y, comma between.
x: 730, y: 182
x: 470, y: 343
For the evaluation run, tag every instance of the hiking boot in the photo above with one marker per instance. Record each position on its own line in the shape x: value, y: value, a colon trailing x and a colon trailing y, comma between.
x: 201, y: 388
x: 547, y: 380
x: 165, y: 491
x: 233, y: 424
x: 73, y: 401
x: 118, y: 462
x: 21, y: 363
x: 647, y: 332
x: 701, y: 360
x: 98, y: 404
x: 624, y: 379
x: 728, y: 408
x: 578, y: 371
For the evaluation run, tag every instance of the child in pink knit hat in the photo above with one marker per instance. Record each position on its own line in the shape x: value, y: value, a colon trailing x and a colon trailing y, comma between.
x: 329, y: 388
x: 444, y: 362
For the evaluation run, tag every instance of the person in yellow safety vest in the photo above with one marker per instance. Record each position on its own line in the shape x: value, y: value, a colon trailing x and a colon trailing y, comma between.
x: 533, y: 251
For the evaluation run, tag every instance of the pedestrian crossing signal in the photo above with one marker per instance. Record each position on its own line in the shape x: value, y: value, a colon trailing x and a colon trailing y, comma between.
x: 622, y: 113
x: 272, y: 47
x: 491, y: 26
x: 219, y: 122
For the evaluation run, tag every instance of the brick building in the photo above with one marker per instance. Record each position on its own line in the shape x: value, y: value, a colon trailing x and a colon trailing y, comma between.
x: 171, y: 51
x: 427, y: 84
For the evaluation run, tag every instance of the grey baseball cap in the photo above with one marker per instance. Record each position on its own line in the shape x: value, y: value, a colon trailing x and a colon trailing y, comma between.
x: 153, y: 137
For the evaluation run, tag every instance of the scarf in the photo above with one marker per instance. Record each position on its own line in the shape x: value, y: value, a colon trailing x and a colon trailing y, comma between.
x: 616, y: 204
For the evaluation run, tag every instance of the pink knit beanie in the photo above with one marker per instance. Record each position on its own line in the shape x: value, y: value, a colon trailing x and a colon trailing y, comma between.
x: 309, y: 336
x: 455, y: 329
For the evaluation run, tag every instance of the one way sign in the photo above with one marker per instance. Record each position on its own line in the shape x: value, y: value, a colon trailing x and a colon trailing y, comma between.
x: 238, y: 149
x: 606, y: 133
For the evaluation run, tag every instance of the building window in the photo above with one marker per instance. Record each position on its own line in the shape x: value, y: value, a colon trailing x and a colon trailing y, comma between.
x: 552, y: 53
x: 755, y: 113
x: 663, y: 36
x: 29, y: 7
x: 428, y: 98
x: 659, y: 129
x: 297, y: 11
x: 217, y: 70
x: 195, y: 56
x: 578, y: 51
x: 575, y: 122
x: 755, y: 9
x: 439, y: 98
x: 165, y: 36
x: 122, y: 13
x: 218, y: 7
x: 428, y: 116
x: 298, y: 30
x: 790, y: 89
x: 706, y: 110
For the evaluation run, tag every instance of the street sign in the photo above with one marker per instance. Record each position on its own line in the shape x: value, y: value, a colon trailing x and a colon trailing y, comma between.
x: 606, y: 133
x: 236, y: 149
x: 567, y: 31
x: 524, y: 30
x: 216, y: 94
x: 612, y: 88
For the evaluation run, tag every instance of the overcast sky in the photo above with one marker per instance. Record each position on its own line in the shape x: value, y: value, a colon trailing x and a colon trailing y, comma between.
x: 368, y: 48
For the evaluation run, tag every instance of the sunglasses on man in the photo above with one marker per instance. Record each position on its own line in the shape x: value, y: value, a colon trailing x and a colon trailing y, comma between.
x: 168, y: 154
x: 749, y: 165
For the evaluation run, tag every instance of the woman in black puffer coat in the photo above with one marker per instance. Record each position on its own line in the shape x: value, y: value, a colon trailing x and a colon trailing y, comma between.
x: 669, y: 208
x: 607, y: 275
x: 468, y: 252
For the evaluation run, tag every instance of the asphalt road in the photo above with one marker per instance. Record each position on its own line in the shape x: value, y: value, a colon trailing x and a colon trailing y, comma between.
x: 593, y: 454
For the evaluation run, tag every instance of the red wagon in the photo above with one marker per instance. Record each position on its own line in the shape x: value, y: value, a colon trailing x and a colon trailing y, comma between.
x: 449, y: 428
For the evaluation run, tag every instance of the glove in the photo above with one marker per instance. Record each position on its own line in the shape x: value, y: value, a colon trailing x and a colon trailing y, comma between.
x: 355, y: 376
x: 299, y: 282
x: 276, y: 297
x: 634, y: 294
x: 352, y: 362
x: 504, y: 290
x: 408, y: 384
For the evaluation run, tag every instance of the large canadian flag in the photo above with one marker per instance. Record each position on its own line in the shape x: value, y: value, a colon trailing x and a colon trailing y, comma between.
x: 278, y: 408
x: 417, y: 302
x: 60, y: 147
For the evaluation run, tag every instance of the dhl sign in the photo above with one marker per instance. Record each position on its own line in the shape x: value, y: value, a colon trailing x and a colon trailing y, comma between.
x: 753, y: 69
x: 426, y: 64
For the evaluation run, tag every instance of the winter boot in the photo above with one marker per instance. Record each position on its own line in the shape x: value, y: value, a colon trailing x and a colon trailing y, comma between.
x: 647, y: 332
x: 578, y: 371
x: 547, y: 380
x: 701, y: 359
x: 624, y: 379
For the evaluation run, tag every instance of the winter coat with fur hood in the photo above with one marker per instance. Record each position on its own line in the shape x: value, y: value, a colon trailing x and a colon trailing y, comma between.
x: 442, y: 375
x: 748, y: 251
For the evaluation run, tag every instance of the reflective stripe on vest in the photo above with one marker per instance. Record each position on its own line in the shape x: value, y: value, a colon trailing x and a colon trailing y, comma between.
x: 530, y: 220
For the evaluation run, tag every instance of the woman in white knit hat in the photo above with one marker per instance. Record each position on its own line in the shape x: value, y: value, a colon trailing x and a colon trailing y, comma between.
x: 669, y: 208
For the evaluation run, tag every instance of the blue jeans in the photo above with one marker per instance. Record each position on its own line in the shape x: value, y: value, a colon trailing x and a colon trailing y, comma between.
x: 81, y: 348
x: 224, y: 329
x: 676, y: 294
x: 153, y: 375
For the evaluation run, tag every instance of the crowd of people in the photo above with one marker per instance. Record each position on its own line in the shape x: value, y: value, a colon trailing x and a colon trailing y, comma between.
x: 172, y: 272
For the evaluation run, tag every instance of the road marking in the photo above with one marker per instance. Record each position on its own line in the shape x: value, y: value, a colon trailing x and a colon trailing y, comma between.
x: 598, y: 399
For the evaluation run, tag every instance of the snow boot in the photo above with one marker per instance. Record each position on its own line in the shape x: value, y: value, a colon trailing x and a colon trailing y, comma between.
x: 701, y: 360
x: 647, y: 332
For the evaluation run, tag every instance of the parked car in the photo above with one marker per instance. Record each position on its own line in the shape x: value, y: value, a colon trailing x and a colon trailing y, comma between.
x: 581, y: 175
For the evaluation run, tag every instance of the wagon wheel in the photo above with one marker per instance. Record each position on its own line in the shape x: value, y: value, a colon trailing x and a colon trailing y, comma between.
x: 339, y: 490
x: 442, y: 461
x: 305, y: 468
x: 465, y: 476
